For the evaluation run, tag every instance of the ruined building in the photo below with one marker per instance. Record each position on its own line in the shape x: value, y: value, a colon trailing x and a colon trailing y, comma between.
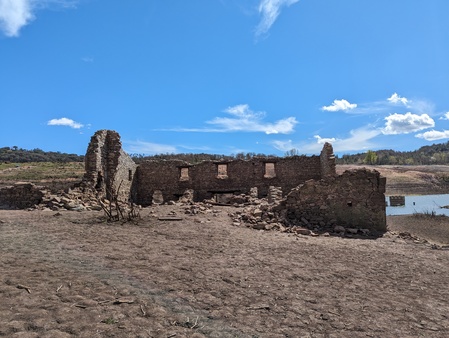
x: 309, y: 183
x: 108, y: 168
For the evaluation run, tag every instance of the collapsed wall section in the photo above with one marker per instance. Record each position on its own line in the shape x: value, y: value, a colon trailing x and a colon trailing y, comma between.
x: 21, y: 195
x: 108, y: 168
x: 355, y: 199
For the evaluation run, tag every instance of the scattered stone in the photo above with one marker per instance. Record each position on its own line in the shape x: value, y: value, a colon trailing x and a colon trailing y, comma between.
x: 339, y: 229
x: 302, y: 231
x: 257, y: 213
x: 259, y: 226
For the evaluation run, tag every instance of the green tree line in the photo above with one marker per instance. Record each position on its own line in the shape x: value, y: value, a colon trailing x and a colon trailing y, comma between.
x: 426, y: 155
x: 19, y: 155
x: 196, y: 158
x: 433, y: 154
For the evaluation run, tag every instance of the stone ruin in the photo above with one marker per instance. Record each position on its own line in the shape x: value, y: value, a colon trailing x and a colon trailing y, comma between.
x: 299, y: 191
x: 109, y: 170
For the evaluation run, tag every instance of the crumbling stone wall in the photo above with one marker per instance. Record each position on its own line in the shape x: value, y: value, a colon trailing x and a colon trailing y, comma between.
x: 355, y: 199
x: 209, y: 178
x: 107, y: 166
x: 21, y: 195
x: 327, y: 161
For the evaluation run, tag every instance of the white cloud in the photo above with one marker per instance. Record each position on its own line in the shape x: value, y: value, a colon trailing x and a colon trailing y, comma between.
x: 338, y: 105
x: 65, y: 122
x: 15, y: 14
x: 148, y: 148
x: 433, y: 135
x: 270, y: 10
x: 323, y: 140
x: 244, y: 119
x: 395, y: 99
x: 283, y: 145
x: 407, y: 123
x: 445, y: 116
x: 359, y: 139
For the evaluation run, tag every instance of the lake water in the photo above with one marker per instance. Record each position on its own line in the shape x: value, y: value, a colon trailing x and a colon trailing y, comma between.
x: 420, y: 204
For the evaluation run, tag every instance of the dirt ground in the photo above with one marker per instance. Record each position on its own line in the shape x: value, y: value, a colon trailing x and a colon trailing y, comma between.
x: 70, y: 274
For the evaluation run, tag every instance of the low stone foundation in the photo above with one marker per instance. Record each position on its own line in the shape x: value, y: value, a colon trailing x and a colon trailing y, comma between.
x: 355, y: 199
x: 21, y: 195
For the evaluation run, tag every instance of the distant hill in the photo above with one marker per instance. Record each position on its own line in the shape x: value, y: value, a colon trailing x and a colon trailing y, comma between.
x: 18, y: 155
x: 196, y: 158
x: 433, y: 154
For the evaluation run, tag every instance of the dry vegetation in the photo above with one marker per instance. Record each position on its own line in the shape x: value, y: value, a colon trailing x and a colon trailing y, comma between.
x: 71, y: 274
x: 56, y: 176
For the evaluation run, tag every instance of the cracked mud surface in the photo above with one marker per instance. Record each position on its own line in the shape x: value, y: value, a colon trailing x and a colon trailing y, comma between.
x: 203, y: 277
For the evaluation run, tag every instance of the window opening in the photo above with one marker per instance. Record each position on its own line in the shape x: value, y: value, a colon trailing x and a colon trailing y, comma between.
x: 222, y: 170
x: 269, y: 170
x: 184, y: 174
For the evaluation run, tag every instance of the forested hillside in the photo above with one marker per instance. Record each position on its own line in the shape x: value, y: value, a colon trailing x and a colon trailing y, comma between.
x: 18, y: 155
x: 196, y: 158
x: 433, y: 154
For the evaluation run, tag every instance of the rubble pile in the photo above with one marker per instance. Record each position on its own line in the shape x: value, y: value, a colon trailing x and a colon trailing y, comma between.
x: 273, y: 216
x: 32, y: 197
x: 76, y: 199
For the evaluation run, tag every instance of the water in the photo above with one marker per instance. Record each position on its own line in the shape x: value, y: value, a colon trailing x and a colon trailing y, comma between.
x: 421, y: 204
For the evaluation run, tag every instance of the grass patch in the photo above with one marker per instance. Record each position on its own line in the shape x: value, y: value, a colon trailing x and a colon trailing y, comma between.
x: 428, y: 214
x: 109, y: 321
x: 41, y: 171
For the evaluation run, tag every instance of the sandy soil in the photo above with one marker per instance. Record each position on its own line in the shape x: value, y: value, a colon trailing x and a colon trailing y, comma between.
x: 71, y: 274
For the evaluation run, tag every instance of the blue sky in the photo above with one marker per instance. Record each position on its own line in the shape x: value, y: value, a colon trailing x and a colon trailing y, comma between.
x: 225, y: 76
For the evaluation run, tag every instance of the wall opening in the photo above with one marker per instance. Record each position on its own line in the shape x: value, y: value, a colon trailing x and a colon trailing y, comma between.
x: 222, y: 170
x: 184, y: 174
x: 269, y: 170
x: 224, y: 198
x: 99, y: 183
x: 158, y: 197
x: 130, y: 175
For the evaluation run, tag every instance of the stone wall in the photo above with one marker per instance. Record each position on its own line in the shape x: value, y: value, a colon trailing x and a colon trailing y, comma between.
x: 355, y: 199
x: 107, y: 166
x: 327, y: 161
x: 21, y: 196
x: 211, y: 178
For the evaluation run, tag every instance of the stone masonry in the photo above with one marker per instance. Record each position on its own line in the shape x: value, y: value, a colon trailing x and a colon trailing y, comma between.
x: 355, y: 199
x: 210, y: 179
x: 21, y: 195
x: 299, y: 191
x: 108, y: 168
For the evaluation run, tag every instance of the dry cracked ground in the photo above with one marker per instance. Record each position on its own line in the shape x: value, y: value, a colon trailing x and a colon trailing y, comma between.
x: 71, y: 274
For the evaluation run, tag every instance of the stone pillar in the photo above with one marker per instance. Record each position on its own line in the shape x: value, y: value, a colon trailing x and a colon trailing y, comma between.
x: 108, y: 168
x: 327, y: 160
